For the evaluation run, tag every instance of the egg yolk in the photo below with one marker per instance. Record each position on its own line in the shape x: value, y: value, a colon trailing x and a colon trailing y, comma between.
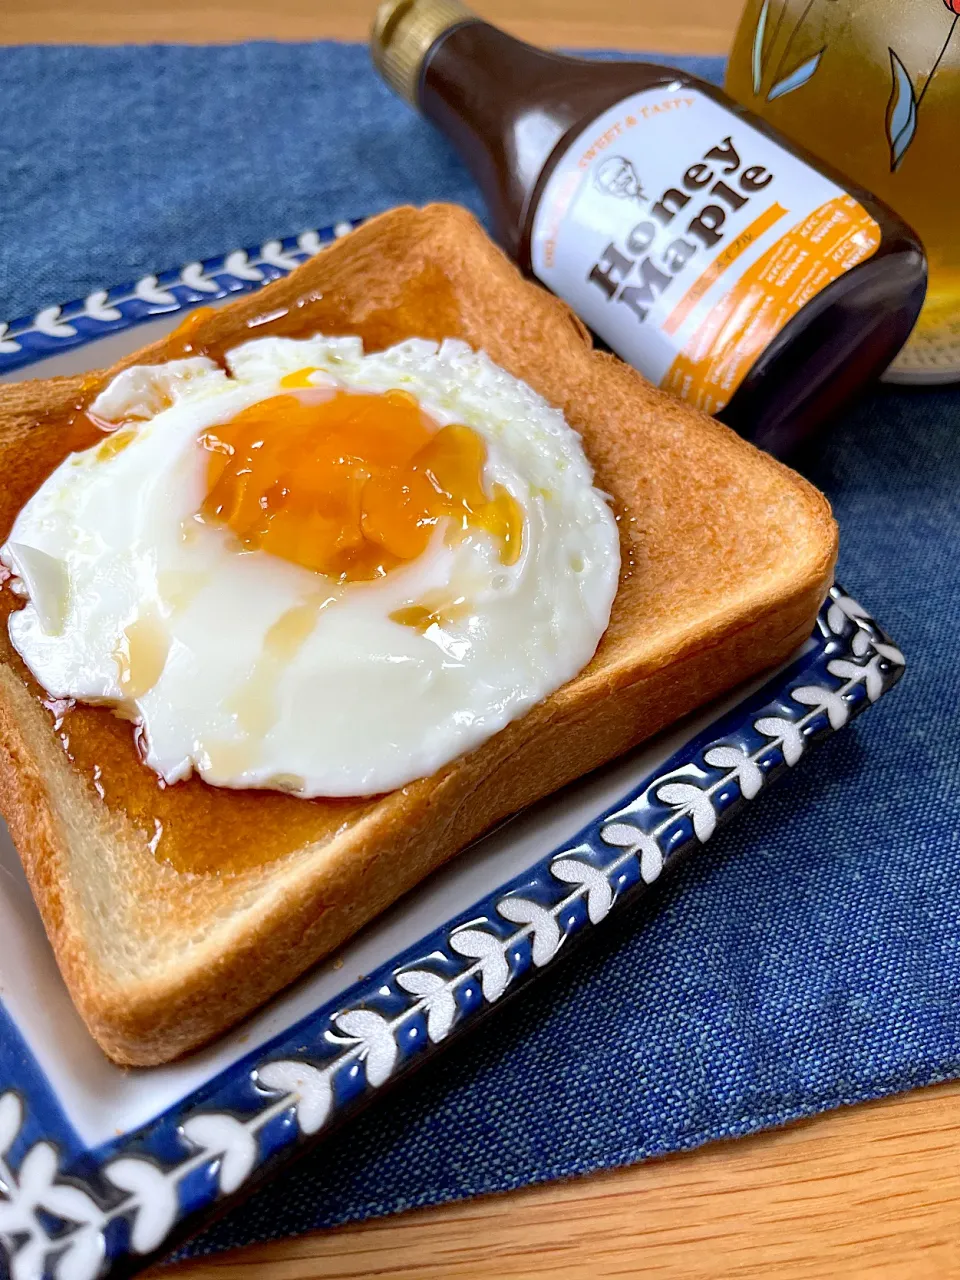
x: 350, y: 484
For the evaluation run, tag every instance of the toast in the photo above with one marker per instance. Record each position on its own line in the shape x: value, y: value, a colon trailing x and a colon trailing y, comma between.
x: 726, y: 553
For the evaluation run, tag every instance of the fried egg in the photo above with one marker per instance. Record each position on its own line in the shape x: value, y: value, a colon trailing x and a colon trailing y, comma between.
x: 317, y: 570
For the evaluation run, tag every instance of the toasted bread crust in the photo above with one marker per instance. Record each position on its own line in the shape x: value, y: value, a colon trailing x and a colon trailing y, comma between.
x: 727, y: 556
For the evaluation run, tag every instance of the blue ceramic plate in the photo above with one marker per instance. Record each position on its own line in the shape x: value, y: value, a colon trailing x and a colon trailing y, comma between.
x: 102, y: 1169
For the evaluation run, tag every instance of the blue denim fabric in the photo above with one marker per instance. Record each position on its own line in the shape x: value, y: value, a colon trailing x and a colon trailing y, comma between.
x: 810, y: 956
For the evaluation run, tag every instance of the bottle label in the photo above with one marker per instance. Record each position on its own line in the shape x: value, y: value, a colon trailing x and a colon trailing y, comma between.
x: 687, y: 239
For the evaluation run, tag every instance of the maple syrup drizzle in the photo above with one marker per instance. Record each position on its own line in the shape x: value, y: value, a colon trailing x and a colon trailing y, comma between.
x: 194, y: 828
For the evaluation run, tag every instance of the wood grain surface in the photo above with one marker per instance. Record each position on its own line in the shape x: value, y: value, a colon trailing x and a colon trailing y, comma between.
x: 691, y: 26
x: 860, y: 1192
x: 867, y: 1191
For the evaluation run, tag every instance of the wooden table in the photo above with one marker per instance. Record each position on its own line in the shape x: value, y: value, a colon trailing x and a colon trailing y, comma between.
x: 869, y: 1191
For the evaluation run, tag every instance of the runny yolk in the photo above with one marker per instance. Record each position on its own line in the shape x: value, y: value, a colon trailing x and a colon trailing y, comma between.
x: 350, y: 484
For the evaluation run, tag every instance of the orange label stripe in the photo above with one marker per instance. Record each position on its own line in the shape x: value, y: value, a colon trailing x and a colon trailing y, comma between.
x: 813, y: 254
x: 750, y: 235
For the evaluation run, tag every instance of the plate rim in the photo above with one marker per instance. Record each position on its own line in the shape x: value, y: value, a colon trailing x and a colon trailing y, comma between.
x: 131, y: 1200
x: 54, y: 330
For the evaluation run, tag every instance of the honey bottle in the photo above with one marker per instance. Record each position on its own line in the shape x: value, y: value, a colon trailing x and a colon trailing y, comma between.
x: 727, y: 265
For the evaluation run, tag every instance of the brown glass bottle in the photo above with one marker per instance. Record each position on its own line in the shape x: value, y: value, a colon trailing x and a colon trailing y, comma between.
x: 518, y: 114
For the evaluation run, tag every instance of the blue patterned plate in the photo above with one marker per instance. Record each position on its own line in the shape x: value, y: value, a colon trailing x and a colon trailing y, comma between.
x: 103, y: 1169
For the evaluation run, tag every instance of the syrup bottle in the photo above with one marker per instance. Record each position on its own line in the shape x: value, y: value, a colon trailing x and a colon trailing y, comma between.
x: 726, y: 264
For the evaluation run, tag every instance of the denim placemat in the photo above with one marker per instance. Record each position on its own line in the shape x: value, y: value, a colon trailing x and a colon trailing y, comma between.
x: 810, y: 956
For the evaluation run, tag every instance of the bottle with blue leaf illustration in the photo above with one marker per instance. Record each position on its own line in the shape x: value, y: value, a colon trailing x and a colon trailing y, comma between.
x: 874, y: 90
x: 723, y: 262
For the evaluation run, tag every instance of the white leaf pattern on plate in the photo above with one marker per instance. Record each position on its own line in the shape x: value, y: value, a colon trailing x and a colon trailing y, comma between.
x: 627, y: 836
x: 228, y: 1139
x: 373, y: 1035
x: 154, y: 1202
x: 309, y: 1088
x: 693, y: 802
x: 487, y: 949
x: 437, y: 996
x: 592, y: 879
x: 545, y: 932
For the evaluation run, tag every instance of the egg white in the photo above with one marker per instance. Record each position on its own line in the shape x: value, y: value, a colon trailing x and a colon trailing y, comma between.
x: 348, y: 702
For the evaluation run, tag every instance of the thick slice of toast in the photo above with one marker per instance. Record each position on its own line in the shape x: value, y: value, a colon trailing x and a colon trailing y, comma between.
x: 727, y: 555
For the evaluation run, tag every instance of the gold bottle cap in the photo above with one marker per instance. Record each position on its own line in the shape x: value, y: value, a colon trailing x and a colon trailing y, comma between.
x: 403, y: 31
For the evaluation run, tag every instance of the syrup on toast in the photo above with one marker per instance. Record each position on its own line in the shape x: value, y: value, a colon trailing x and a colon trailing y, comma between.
x: 727, y: 555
